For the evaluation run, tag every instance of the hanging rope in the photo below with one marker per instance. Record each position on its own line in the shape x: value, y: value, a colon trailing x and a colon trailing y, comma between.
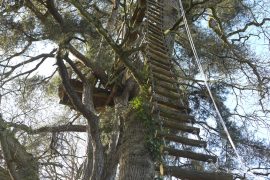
x: 208, y: 88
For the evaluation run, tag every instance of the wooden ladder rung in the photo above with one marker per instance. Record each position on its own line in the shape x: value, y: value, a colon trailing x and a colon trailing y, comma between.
x: 169, y: 102
x: 165, y: 78
x: 175, y: 125
x: 166, y: 85
x: 153, y: 12
x: 152, y: 41
x: 182, y: 140
x: 156, y: 48
x: 163, y: 55
x: 156, y: 4
x: 189, y: 154
x: 161, y: 70
x: 154, y: 16
x: 159, y: 59
x: 153, y: 21
x: 158, y: 41
x: 191, y: 174
x: 156, y: 63
x: 176, y: 115
x: 165, y: 101
x: 155, y: 26
x: 156, y: 37
x: 155, y: 31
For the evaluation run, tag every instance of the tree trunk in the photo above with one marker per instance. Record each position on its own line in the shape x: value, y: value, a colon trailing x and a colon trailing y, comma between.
x: 135, y: 161
x: 171, y: 14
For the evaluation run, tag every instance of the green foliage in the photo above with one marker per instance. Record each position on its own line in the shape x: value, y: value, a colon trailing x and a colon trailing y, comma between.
x: 52, y: 88
x: 141, y: 106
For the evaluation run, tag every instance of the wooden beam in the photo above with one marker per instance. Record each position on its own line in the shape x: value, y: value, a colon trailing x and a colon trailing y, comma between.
x: 189, y: 154
x: 195, y: 175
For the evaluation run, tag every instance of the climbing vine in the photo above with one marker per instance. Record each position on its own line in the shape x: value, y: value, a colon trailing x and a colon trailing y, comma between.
x: 143, y: 113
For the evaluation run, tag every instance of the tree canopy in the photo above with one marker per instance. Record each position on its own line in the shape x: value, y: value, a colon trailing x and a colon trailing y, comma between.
x: 90, y: 56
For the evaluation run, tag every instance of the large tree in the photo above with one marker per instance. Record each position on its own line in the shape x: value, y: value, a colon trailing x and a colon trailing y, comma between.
x: 91, y: 56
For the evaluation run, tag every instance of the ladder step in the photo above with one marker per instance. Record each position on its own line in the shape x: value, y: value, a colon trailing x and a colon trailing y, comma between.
x: 163, y: 55
x: 159, y: 59
x: 159, y: 38
x: 157, y: 30
x: 182, y: 140
x: 171, y: 124
x: 164, y: 78
x: 166, y: 85
x: 153, y: 31
x: 168, y: 102
x: 156, y: 48
x: 189, y: 154
x: 172, y: 94
x: 173, y: 114
x: 161, y: 65
x: 155, y: 17
x: 154, y: 12
x: 159, y: 41
x: 191, y: 174
x: 155, y: 26
x: 155, y: 23
x: 151, y: 41
x: 154, y: 20
x: 161, y: 70
x: 156, y: 4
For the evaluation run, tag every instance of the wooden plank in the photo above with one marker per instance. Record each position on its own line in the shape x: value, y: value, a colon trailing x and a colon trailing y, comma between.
x: 171, y: 94
x: 166, y: 85
x: 182, y: 140
x: 189, y: 154
x: 154, y: 31
x: 155, y: 26
x: 151, y: 41
x: 158, y: 58
x: 157, y: 48
x: 165, y: 101
x: 160, y: 54
x: 160, y: 41
x: 155, y: 22
x: 161, y: 70
x: 191, y: 174
x: 155, y: 17
x: 157, y: 36
x: 156, y: 63
x: 173, y: 125
x: 173, y: 114
x: 164, y: 78
x: 153, y: 11
x: 156, y: 4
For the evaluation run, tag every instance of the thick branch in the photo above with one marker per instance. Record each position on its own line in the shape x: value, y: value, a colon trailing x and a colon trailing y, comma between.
x: 21, y: 164
x: 117, y: 49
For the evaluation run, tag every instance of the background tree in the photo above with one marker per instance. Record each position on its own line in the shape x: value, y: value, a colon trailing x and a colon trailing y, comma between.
x: 93, y: 52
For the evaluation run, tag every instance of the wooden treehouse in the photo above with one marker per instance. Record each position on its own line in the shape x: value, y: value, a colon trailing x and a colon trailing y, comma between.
x: 101, y: 96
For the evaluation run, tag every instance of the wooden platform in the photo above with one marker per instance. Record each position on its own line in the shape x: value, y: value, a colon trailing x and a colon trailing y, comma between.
x: 100, y: 95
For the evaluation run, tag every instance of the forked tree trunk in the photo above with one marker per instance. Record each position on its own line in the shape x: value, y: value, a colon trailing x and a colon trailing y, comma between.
x: 135, y: 160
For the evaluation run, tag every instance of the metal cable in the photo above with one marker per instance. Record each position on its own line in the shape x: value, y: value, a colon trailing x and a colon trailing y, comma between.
x: 208, y: 88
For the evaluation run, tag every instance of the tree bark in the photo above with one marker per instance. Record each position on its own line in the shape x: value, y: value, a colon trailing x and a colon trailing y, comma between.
x: 21, y: 164
x: 95, y: 154
x: 170, y: 16
x: 135, y: 160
